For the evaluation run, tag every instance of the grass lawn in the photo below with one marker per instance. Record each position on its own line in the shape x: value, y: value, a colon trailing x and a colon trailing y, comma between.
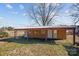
x: 34, y: 47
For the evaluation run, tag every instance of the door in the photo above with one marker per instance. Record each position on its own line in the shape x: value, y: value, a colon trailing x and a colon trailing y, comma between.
x: 61, y: 34
x: 50, y: 34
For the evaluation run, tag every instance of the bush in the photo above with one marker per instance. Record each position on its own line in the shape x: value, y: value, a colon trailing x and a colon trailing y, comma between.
x: 3, y: 34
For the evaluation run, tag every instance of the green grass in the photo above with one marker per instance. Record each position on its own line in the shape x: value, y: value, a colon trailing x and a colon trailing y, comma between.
x: 33, y: 47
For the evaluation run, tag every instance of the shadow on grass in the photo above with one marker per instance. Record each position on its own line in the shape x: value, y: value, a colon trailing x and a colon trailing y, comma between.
x: 22, y: 40
x: 72, y: 51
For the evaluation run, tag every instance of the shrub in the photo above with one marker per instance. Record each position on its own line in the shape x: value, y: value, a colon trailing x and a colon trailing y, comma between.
x: 10, y: 28
x: 3, y: 34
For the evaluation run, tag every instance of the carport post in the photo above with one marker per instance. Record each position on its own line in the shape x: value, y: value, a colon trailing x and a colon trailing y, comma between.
x: 73, y: 36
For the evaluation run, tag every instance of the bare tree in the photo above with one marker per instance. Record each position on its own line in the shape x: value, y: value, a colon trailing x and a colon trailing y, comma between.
x: 44, y: 13
x: 75, y: 13
x: 75, y: 16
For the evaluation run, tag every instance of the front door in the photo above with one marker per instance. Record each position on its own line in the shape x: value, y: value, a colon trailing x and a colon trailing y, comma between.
x: 50, y: 34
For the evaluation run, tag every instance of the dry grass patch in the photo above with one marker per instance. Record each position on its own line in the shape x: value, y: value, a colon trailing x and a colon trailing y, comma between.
x: 23, y: 47
x: 13, y: 49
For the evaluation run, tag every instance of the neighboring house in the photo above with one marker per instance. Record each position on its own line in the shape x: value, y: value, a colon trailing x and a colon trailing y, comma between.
x: 77, y: 30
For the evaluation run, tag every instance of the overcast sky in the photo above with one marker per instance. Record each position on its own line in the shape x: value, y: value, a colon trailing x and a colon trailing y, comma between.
x: 16, y: 15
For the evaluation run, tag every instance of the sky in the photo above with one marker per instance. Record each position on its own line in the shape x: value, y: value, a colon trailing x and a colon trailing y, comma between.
x: 16, y: 15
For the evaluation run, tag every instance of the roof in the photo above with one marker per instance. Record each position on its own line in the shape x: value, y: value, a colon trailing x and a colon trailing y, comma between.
x: 44, y: 27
